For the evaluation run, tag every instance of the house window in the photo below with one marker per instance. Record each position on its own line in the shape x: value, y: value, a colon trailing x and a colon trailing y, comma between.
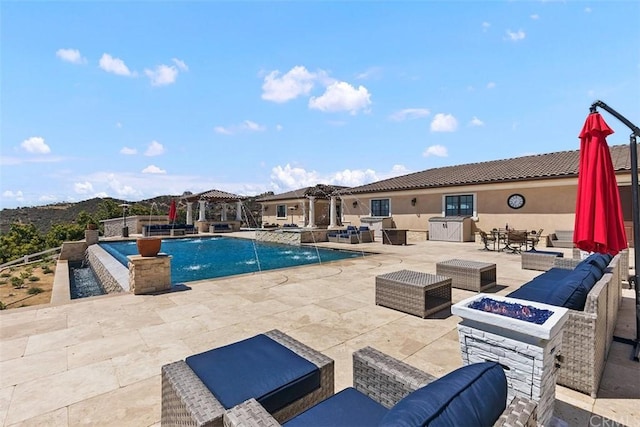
x: 459, y: 205
x: 281, y: 211
x: 380, y: 207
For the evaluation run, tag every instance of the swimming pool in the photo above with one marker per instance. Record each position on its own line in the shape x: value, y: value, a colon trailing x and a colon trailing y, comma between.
x: 206, y: 258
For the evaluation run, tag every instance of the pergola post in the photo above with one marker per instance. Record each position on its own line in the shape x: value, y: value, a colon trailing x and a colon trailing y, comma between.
x: 333, y: 223
x: 312, y: 212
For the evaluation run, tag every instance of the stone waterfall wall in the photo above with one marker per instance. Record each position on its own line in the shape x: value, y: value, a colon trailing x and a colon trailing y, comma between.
x: 108, y: 270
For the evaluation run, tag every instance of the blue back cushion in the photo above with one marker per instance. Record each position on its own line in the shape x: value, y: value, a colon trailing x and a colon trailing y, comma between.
x: 474, y: 395
x: 257, y: 367
x: 600, y: 260
x: 572, y: 291
x: 348, y: 408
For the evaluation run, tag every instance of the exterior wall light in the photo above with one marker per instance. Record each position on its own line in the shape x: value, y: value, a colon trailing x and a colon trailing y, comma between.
x: 413, y: 201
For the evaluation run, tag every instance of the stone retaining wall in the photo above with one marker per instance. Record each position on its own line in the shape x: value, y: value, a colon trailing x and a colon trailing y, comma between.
x: 109, y: 282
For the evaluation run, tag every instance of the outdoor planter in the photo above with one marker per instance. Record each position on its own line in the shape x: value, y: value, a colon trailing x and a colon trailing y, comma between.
x: 149, y: 246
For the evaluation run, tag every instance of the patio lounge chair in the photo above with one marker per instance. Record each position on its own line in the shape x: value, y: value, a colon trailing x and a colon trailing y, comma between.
x: 389, y: 392
x: 488, y: 239
x: 284, y: 375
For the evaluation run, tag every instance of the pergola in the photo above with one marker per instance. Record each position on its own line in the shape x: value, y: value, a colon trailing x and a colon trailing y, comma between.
x: 211, y: 196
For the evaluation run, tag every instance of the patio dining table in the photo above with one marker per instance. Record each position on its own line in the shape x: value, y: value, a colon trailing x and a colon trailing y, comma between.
x: 513, y: 240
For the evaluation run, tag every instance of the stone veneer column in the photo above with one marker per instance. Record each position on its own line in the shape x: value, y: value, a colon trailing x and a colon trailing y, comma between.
x: 312, y: 212
x: 201, y: 210
x: 149, y: 274
x: 239, y: 210
x: 333, y: 223
x: 189, y: 213
x: 223, y: 212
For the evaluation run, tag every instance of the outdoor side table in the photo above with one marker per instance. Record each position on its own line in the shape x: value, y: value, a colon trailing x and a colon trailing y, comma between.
x: 469, y: 275
x: 413, y: 292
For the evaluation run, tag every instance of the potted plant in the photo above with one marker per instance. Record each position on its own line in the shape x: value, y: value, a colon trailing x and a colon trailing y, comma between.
x: 149, y: 246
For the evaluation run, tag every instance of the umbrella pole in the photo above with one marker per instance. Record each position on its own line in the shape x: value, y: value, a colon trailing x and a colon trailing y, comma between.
x: 635, y: 209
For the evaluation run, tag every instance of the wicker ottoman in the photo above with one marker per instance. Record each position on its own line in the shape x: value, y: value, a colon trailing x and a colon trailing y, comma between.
x: 539, y: 260
x: 420, y: 294
x: 186, y: 401
x: 469, y: 275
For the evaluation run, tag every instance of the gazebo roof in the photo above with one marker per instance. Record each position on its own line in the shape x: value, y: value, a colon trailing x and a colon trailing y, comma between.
x: 214, y: 196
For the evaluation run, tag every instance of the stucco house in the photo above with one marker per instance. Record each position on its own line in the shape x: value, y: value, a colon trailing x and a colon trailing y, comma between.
x: 529, y: 192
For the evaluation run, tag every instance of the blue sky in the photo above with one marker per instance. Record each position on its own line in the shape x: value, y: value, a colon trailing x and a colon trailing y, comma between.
x: 138, y: 99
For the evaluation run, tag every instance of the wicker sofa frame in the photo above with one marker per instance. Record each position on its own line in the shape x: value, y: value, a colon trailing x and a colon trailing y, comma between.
x: 186, y: 401
x: 386, y: 380
x: 587, y: 334
x: 538, y: 260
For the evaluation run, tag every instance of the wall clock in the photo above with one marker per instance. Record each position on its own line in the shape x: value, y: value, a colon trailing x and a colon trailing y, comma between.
x: 515, y: 201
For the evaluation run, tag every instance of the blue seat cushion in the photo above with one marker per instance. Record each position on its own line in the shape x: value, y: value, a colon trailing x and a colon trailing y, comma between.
x: 474, y: 395
x: 347, y: 408
x: 257, y: 367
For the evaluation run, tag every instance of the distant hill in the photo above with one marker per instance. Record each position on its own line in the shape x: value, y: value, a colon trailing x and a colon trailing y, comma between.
x: 44, y: 217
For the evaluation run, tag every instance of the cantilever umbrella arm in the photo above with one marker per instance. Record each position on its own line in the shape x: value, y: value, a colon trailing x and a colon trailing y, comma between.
x: 635, y: 206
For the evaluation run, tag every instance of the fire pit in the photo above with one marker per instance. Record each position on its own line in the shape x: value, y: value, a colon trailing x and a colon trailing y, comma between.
x: 523, y: 336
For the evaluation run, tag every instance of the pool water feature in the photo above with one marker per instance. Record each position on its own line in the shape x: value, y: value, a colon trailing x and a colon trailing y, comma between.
x: 83, y: 282
x: 206, y: 258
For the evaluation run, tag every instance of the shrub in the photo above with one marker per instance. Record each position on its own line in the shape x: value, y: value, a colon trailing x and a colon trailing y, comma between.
x: 3, y: 306
x: 24, y: 275
x: 17, y: 282
x: 34, y: 278
x: 3, y: 282
x: 47, y: 270
x: 5, y: 274
x: 35, y: 291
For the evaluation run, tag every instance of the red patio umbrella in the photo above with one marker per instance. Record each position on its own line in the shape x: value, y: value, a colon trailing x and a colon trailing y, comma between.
x: 173, y: 213
x: 599, y: 224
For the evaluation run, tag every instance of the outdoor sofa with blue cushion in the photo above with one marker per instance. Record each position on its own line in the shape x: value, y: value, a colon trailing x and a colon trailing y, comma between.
x: 284, y: 375
x: 590, y: 289
x: 168, y: 229
x: 388, y: 392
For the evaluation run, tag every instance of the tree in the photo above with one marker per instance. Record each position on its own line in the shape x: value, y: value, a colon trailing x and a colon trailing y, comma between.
x: 64, y: 233
x: 21, y: 240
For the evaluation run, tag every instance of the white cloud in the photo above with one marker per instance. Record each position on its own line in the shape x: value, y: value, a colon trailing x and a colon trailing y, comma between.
x: 114, y: 65
x: 435, y: 150
x: 83, y: 187
x: 296, y: 82
x: 15, y: 195
x: 341, y: 96
x: 121, y: 190
x: 35, y: 145
x: 71, y: 55
x: 246, y: 126
x: 476, y: 122
x: 118, y: 125
x: 372, y: 73
x: 485, y: 26
x: 180, y: 64
x: 535, y: 16
x: 162, y: 75
x: 154, y: 149
x: 153, y: 169
x: 516, y: 35
x: 287, y: 178
x: 491, y: 85
x: 128, y: 151
x: 587, y: 10
x: 279, y: 128
x: 409, y: 113
x: 444, y: 123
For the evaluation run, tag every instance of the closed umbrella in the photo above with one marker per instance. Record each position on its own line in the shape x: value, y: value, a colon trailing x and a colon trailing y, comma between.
x: 173, y: 213
x: 599, y: 224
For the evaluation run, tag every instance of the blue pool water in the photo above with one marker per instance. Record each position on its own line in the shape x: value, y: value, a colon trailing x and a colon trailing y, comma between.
x: 205, y: 258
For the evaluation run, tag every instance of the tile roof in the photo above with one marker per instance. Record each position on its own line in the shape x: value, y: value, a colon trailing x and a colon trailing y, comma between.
x: 299, y: 193
x: 540, y: 166
x: 215, y: 195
